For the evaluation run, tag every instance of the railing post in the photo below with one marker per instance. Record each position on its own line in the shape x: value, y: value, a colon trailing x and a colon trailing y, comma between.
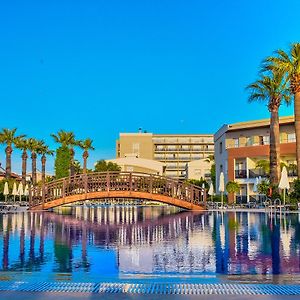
x: 130, y: 181
x: 151, y: 184
x: 85, y: 184
x: 64, y: 189
x: 108, y: 181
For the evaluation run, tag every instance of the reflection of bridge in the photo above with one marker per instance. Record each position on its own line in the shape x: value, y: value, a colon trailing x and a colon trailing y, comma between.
x: 83, y: 187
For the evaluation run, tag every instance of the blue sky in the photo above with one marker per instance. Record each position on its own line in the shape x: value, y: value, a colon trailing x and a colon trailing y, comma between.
x: 103, y: 67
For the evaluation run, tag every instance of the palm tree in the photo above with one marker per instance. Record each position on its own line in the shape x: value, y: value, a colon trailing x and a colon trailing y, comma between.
x: 23, y: 145
x: 34, y: 146
x: 8, y: 137
x: 289, y: 63
x: 86, y: 145
x: 67, y: 139
x: 44, y: 150
x: 273, y: 89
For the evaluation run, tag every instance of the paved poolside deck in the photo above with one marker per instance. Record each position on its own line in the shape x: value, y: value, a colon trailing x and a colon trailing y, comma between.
x: 90, y: 296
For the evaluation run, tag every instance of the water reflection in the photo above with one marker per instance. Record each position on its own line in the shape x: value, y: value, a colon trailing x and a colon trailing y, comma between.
x: 111, y: 241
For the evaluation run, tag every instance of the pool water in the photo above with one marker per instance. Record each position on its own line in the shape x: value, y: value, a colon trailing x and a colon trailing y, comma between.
x: 134, y: 243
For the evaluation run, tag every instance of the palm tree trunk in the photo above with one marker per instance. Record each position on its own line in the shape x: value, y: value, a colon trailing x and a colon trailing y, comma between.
x: 274, y: 147
x: 33, y: 171
x: 43, y: 160
x: 85, y: 157
x: 8, y: 152
x: 24, y: 166
x: 297, y: 128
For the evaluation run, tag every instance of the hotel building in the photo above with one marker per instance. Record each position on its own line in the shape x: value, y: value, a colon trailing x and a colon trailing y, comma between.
x: 239, y: 146
x: 173, y: 150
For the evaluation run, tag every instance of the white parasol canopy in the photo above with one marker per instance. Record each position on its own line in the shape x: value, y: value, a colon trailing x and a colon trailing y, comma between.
x: 26, y: 190
x: 15, y: 191
x: 221, y: 183
x: 20, y: 190
x: 6, y: 190
x: 284, y: 182
x: 211, y: 189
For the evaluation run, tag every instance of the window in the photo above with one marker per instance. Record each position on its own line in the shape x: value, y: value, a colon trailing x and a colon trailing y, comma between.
x: 266, y: 140
x: 250, y: 141
x: 221, y: 147
x: 136, y: 148
x: 291, y: 137
x: 236, y: 143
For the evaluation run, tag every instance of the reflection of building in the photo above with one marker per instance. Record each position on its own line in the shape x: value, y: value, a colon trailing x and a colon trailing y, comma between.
x: 106, y: 240
x: 238, y: 147
x: 135, y: 164
x: 174, y: 150
x: 197, y: 169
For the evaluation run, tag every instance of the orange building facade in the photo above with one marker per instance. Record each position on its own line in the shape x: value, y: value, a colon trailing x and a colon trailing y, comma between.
x: 239, y: 147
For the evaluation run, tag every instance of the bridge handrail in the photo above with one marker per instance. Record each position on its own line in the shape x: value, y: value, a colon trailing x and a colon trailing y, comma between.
x: 114, y: 181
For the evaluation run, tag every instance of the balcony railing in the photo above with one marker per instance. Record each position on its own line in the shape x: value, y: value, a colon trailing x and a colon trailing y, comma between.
x: 253, y: 173
x: 240, y: 173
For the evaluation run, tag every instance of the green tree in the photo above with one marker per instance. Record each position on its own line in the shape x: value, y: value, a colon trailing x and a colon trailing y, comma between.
x: 8, y: 137
x: 23, y: 145
x: 289, y: 64
x: 34, y: 147
x: 198, y: 182
x: 86, y: 145
x: 44, y: 150
x: 67, y: 139
x: 264, y: 165
x: 272, y: 88
x: 77, y: 167
x: 103, y: 166
x: 263, y: 187
x: 62, y: 162
x: 232, y: 187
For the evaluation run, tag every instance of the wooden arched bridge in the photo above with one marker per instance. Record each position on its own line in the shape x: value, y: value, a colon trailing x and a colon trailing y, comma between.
x: 105, y: 185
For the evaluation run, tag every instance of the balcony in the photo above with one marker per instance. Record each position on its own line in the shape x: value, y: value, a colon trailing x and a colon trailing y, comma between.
x: 253, y: 173
x: 240, y: 173
x: 292, y: 173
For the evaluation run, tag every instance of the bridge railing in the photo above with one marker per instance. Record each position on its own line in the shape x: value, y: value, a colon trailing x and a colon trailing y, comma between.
x: 116, y: 181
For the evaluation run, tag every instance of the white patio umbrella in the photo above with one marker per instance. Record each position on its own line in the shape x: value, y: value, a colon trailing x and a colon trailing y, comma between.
x: 6, y: 191
x: 221, y: 186
x: 20, y: 190
x: 211, y: 190
x: 26, y: 191
x: 15, y: 191
x: 284, y: 182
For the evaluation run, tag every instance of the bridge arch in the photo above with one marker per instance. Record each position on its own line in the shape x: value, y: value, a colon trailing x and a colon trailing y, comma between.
x: 105, y: 185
